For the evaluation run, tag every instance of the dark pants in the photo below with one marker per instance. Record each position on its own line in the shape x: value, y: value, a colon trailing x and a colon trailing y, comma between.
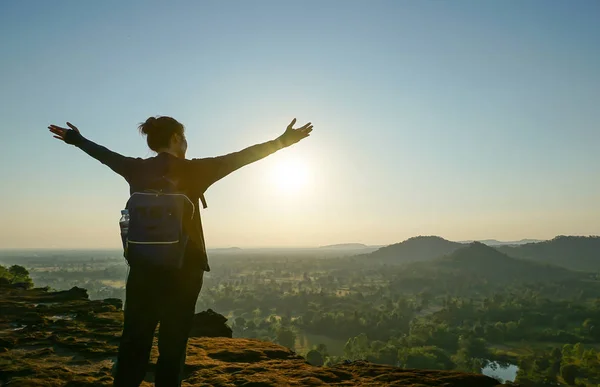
x: 152, y: 296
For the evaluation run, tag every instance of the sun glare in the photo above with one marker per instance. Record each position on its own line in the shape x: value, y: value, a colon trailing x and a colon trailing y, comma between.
x: 290, y: 176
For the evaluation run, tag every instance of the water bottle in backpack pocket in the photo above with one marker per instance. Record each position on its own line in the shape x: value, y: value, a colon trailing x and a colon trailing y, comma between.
x: 156, y: 232
x: 124, y: 226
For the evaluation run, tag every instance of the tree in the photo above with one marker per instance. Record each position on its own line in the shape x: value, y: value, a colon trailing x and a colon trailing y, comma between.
x: 250, y: 325
x: 424, y: 358
x: 388, y: 355
x: 286, y: 337
x: 426, y: 299
x: 474, y: 347
x: 323, y: 349
x: 591, y: 328
x: 315, y: 358
x: 18, y: 271
x: 569, y: 372
x: 556, y: 359
x: 357, y: 348
x: 16, y: 274
x: 240, y: 322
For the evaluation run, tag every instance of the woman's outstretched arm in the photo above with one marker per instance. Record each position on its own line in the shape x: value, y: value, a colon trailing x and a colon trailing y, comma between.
x: 212, y: 169
x: 115, y: 161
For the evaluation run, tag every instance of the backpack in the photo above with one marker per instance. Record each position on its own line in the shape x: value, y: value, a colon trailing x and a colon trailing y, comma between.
x: 158, y: 219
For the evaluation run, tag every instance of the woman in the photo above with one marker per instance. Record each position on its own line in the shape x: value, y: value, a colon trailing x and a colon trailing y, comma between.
x: 168, y: 296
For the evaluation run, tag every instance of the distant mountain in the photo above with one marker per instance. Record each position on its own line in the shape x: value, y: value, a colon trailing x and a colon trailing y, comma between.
x: 416, y: 249
x: 476, y: 268
x: 572, y: 252
x: 487, y: 262
x: 345, y: 246
x: 225, y: 249
x: 494, y: 242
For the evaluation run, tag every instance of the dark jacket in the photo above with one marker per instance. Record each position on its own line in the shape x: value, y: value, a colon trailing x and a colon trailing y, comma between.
x: 193, y: 177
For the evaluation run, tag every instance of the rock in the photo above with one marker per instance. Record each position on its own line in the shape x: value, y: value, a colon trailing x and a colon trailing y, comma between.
x: 117, y: 303
x: 75, y: 293
x: 30, y: 318
x: 85, y: 315
x: 7, y: 342
x: 21, y: 285
x: 210, y: 324
x: 258, y: 363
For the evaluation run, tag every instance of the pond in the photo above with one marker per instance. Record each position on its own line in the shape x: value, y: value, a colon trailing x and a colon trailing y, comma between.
x: 504, y: 372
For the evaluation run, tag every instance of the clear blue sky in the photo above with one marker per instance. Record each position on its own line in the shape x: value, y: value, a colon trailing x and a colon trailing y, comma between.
x: 465, y: 119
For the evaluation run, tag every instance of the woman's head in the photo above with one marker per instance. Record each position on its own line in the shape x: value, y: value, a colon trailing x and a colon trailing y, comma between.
x: 165, y: 134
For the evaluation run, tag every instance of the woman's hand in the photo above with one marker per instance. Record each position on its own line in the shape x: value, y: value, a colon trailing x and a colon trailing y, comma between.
x: 64, y: 134
x: 292, y: 136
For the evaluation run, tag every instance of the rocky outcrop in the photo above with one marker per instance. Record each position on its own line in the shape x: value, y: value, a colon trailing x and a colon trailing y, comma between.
x: 64, y: 339
x: 210, y: 324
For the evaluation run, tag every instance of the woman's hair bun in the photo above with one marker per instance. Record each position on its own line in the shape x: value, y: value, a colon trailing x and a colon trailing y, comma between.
x: 160, y: 130
x: 150, y: 126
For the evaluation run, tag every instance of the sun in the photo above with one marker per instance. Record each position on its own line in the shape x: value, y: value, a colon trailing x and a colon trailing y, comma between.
x: 290, y: 176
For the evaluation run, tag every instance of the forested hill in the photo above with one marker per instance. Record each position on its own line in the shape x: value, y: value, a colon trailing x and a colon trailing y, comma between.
x: 416, y: 249
x: 477, y: 268
x: 572, y: 252
x: 489, y: 263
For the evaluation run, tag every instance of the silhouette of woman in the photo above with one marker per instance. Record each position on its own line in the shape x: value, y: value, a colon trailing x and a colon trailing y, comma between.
x: 154, y: 294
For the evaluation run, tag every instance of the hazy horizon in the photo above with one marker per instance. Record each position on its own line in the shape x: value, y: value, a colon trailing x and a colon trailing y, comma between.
x: 461, y: 119
x: 305, y: 247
